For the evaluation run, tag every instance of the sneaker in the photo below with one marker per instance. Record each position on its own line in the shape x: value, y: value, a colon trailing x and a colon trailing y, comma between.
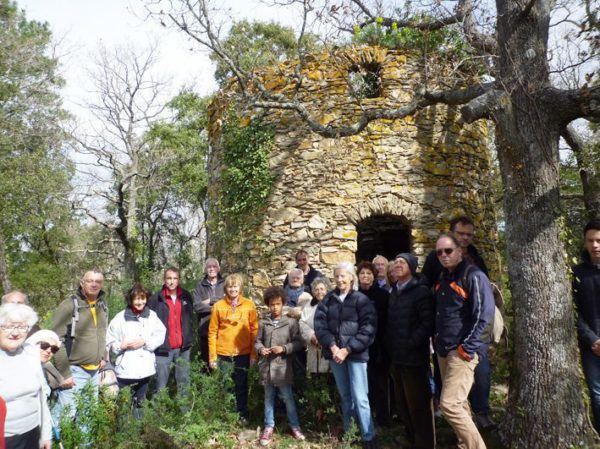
x: 244, y: 421
x: 266, y: 436
x: 297, y: 433
x: 484, y: 421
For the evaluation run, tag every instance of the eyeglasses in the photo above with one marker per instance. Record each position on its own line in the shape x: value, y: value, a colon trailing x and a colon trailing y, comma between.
x: 44, y: 346
x: 92, y: 281
x: 446, y: 251
x: 15, y: 327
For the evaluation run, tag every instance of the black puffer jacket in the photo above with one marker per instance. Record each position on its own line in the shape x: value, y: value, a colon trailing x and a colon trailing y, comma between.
x: 410, y: 324
x: 586, y: 292
x: 351, y: 324
x: 379, y: 297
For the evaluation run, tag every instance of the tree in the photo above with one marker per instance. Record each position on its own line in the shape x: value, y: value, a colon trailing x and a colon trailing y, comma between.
x: 127, y: 103
x: 252, y: 45
x: 185, y: 139
x: 34, y: 191
x: 149, y: 171
x: 529, y: 114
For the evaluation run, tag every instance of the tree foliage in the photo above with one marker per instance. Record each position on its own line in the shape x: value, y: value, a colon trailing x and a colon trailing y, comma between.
x: 252, y: 45
x: 34, y: 191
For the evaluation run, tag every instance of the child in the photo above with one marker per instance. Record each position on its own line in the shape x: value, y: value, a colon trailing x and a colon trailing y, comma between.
x: 231, y: 336
x: 278, y: 338
x: 133, y: 335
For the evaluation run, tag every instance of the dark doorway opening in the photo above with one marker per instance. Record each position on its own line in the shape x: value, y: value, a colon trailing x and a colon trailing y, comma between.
x: 387, y: 235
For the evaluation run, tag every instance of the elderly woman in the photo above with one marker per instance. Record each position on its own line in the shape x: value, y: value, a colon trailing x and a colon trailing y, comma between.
x: 315, y: 362
x: 28, y: 422
x: 345, y: 324
x: 48, y: 343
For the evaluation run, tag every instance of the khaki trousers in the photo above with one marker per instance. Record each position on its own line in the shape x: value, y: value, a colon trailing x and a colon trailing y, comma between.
x: 457, y: 379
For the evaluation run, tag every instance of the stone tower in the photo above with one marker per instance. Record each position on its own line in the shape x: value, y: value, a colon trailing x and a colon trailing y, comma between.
x: 392, y: 188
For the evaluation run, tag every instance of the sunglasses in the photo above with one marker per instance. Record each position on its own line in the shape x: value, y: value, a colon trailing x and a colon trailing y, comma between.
x: 45, y: 346
x: 446, y: 251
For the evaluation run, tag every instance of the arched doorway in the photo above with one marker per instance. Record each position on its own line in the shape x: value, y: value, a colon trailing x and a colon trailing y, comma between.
x: 387, y: 235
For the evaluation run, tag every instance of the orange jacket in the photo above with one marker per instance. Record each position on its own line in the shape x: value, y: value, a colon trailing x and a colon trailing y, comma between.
x: 232, y: 332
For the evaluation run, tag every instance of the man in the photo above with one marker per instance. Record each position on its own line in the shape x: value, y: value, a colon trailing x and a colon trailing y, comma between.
x: 381, y: 268
x: 295, y: 290
x: 81, y: 321
x: 174, y: 307
x: 464, y: 316
x: 208, y: 291
x: 15, y: 297
x: 463, y: 230
x: 310, y: 273
x: 586, y: 291
x: 409, y: 326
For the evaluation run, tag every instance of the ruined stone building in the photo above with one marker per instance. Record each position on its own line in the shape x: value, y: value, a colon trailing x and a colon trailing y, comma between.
x: 390, y: 189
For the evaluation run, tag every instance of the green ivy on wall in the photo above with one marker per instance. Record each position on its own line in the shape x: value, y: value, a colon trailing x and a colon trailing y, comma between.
x: 246, y: 182
x: 247, y: 178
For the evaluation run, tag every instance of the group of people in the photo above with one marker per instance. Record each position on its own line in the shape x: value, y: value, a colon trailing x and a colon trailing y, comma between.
x: 374, y: 331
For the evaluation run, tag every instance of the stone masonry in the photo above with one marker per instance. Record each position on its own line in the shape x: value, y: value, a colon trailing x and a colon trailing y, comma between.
x: 420, y: 171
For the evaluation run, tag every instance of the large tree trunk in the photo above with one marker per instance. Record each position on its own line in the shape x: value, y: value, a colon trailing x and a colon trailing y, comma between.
x: 546, y: 408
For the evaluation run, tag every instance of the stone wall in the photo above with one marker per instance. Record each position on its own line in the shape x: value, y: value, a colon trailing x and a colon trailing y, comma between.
x: 423, y: 170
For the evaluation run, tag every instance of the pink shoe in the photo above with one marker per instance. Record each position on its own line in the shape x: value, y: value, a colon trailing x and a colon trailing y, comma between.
x: 266, y: 436
x: 297, y: 433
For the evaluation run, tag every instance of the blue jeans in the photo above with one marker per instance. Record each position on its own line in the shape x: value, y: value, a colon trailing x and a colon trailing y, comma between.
x: 353, y: 386
x: 480, y: 391
x: 181, y: 359
x: 591, y: 370
x: 66, y: 398
x: 286, y: 393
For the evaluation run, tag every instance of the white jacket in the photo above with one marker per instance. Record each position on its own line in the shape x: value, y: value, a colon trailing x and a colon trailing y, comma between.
x: 135, y: 363
x: 315, y: 362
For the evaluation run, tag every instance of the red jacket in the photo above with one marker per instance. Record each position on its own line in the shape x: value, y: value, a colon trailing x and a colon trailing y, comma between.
x: 2, y: 418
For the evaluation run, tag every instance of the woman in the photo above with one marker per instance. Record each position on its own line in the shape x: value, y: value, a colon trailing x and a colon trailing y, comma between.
x: 28, y: 424
x: 231, y: 336
x: 315, y: 362
x: 133, y: 335
x: 49, y: 344
x: 345, y: 324
x: 378, y: 367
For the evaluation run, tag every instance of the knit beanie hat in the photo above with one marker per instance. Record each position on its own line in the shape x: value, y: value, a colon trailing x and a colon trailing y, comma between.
x: 410, y: 260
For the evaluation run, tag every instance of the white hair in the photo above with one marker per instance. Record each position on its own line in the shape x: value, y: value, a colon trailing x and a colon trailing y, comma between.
x: 379, y: 256
x: 17, y: 313
x: 349, y: 268
x: 296, y: 272
x: 44, y: 335
x: 211, y: 260
x: 14, y: 292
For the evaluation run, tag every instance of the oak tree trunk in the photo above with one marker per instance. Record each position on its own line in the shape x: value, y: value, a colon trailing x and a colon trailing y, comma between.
x: 546, y: 408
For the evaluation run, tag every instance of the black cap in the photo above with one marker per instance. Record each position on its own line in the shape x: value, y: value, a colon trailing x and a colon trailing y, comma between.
x: 410, y: 260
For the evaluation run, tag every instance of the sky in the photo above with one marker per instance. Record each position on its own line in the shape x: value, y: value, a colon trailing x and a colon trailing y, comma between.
x: 79, y: 26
